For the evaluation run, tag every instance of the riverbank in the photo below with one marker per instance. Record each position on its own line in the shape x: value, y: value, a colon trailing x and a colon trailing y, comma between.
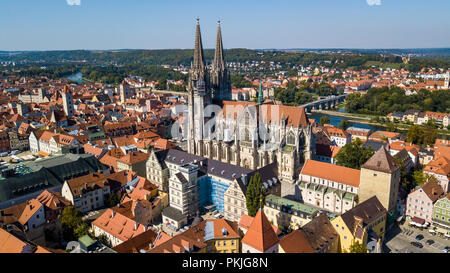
x: 344, y: 114
x: 368, y: 120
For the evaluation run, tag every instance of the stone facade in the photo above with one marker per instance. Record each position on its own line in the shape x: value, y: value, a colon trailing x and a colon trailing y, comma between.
x: 243, y: 134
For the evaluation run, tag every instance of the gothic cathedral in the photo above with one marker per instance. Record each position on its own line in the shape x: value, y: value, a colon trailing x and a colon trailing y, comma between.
x: 251, y: 135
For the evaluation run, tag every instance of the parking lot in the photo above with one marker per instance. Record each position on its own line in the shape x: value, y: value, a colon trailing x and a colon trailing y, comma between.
x: 398, y: 240
x: 9, y: 159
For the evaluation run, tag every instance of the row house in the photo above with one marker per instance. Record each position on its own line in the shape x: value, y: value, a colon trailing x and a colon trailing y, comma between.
x: 440, y: 168
x: 119, y: 129
x: 48, y: 143
x: 4, y: 142
x: 365, y: 223
x: 385, y: 136
x: 318, y: 236
x: 441, y: 216
x: 87, y: 193
x: 117, y: 227
x: 412, y: 149
x: 420, y: 202
x: 360, y: 133
x: 18, y: 141
x: 326, y: 153
x: 338, y: 136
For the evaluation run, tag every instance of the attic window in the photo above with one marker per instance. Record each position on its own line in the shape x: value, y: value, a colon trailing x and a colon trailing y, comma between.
x: 222, y: 172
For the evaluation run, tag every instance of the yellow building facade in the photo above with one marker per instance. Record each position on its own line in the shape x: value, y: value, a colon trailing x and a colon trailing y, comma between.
x: 365, y: 222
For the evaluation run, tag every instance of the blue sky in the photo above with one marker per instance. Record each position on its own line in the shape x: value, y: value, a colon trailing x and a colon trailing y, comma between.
x: 155, y: 24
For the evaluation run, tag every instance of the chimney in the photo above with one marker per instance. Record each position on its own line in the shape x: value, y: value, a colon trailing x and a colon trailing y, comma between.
x: 112, y: 213
x: 135, y: 226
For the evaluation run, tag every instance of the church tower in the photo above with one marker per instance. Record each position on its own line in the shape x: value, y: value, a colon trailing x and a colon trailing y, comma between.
x: 447, y: 80
x: 67, y: 99
x: 220, y: 76
x: 199, y: 96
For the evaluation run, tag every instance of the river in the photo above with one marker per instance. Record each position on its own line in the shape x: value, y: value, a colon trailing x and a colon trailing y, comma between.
x: 335, y: 120
x: 77, y: 77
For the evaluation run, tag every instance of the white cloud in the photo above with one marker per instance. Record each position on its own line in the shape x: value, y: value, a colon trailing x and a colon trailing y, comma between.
x: 74, y: 2
x: 373, y: 2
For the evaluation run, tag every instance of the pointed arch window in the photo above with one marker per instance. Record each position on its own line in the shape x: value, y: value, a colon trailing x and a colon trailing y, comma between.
x: 246, y: 135
x: 290, y: 138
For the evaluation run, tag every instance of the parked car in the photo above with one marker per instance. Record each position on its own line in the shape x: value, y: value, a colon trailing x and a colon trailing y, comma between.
x: 419, y: 237
x: 417, y: 244
x: 446, y: 249
x: 429, y: 242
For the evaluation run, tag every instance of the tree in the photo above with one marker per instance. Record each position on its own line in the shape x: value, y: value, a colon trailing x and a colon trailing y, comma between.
x: 344, y: 124
x: 357, y: 247
x: 81, y: 230
x: 70, y: 222
x: 415, y: 135
x: 354, y: 155
x: 324, y: 120
x: 102, y: 238
x: 422, y: 135
x: 406, y: 178
x: 255, y: 194
x: 390, y: 127
x: 112, y: 200
x: 419, y: 177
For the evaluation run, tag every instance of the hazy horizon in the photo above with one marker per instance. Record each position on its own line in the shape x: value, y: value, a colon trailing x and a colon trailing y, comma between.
x: 317, y: 48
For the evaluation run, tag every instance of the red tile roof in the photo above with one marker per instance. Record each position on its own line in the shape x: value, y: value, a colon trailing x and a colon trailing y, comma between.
x: 260, y: 234
x: 332, y: 172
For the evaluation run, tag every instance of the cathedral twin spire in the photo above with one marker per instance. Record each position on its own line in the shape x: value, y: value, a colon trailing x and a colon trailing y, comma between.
x: 219, y: 62
x: 199, y: 59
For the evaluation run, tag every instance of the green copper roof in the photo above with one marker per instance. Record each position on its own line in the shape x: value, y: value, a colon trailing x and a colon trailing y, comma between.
x: 349, y: 196
x: 289, y: 204
x: 260, y: 93
x: 86, y: 240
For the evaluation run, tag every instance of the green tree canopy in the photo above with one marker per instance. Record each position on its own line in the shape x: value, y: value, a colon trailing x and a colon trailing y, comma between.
x: 344, y: 124
x: 112, y: 200
x: 72, y: 223
x: 354, y: 155
x: 357, y: 247
x: 324, y: 120
x: 422, y: 135
x: 255, y: 194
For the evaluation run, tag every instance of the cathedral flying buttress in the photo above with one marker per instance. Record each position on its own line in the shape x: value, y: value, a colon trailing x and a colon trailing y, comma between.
x: 246, y: 134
